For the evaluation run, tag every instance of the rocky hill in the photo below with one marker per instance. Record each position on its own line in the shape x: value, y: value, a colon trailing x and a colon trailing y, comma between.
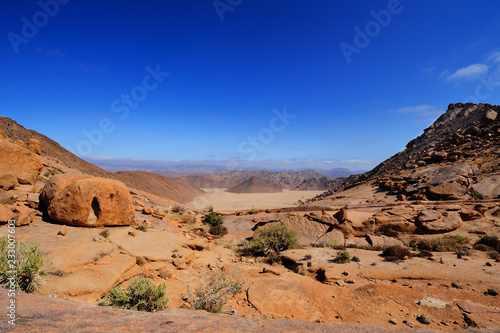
x: 323, y: 183
x: 255, y: 185
x: 457, y: 157
x: 144, y: 181
x: 284, y: 179
x: 50, y: 148
x: 159, y: 185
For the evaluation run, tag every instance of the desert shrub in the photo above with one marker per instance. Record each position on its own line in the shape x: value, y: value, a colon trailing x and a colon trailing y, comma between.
x: 494, y: 255
x: 188, y: 218
x: 218, y: 230
x: 395, y: 253
x: 490, y: 241
x: 142, y: 227
x: 475, y: 195
x: 140, y: 295
x: 275, y: 237
x: 213, y: 219
x: 356, y: 259
x: 252, y: 211
x: 178, y: 209
x: 209, y: 209
x: 212, y: 296
x: 104, y: 233
x: 329, y: 244
x: 24, y: 259
x: 447, y: 243
x: 343, y: 257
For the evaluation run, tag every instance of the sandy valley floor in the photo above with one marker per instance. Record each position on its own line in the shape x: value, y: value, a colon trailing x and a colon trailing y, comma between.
x: 222, y: 200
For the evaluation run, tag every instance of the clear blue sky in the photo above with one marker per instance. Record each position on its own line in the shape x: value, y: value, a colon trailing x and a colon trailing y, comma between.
x: 357, y: 98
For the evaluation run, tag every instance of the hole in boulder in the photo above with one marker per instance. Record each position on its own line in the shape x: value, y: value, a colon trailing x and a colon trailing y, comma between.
x: 95, y: 211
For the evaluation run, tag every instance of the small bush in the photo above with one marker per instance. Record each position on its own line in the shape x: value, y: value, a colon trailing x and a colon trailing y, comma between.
x: 490, y: 241
x: 213, y: 219
x: 448, y: 243
x: 494, y: 255
x: 218, y: 230
x: 188, y: 219
x: 178, y: 209
x: 104, y: 233
x: 140, y: 295
x: 252, y: 211
x: 26, y: 260
x: 356, y: 259
x: 142, y: 227
x: 213, y: 296
x: 273, y: 238
x: 343, y: 257
x: 395, y: 253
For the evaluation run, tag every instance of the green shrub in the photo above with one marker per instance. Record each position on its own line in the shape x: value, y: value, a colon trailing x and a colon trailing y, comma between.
x: 213, y: 219
x: 273, y: 238
x: 447, y: 243
x: 218, y: 230
x: 104, y: 233
x: 490, y: 241
x: 28, y: 265
x: 142, y: 227
x: 140, y: 295
x: 213, y: 296
x: 343, y: 257
x: 395, y: 253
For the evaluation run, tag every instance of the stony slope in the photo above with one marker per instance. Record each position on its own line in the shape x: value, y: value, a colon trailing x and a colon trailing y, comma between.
x: 159, y: 185
x: 323, y: 183
x: 457, y: 157
x: 255, y: 185
x: 50, y: 148
x: 284, y: 179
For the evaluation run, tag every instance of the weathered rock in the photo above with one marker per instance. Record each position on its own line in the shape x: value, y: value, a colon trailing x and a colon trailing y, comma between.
x: 34, y: 146
x: 489, y: 187
x: 3, y: 136
x: 439, y: 156
x: 8, y: 181
x: 148, y: 211
x: 24, y: 216
x: 63, y: 231
x: 357, y: 242
x: 6, y: 214
x: 56, y: 185
x: 93, y: 202
x: 449, y: 220
x: 341, y: 215
x: 6, y: 198
x: 383, y: 241
x: 447, y: 191
x: 20, y: 162
x: 489, y: 116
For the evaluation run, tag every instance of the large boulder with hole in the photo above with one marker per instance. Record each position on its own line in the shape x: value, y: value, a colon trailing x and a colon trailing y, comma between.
x: 56, y: 185
x: 93, y: 202
x: 20, y: 162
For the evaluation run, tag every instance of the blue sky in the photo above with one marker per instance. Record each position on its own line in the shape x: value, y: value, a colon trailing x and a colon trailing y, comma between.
x: 291, y: 84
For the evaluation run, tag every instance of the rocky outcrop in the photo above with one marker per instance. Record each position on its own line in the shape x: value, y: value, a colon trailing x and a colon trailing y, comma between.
x: 255, y: 185
x: 92, y: 202
x: 34, y: 146
x: 19, y: 161
x: 8, y: 181
x: 56, y: 185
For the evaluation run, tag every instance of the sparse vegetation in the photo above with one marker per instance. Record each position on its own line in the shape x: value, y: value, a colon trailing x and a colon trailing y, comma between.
x: 275, y: 237
x: 188, y: 218
x: 342, y: 257
x: 218, y: 230
x: 425, y: 254
x: 140, y: 295
x: 447, y: 243
x: 395, y: 253
x: 356, y: 259
x: 492, y: 242
x: 52, y: 172
x: 142, y: 227
x: 212, y: 219
x: 252, y: 211
x: 212, y: 296
x: 475, y: 195
x: 178, y: 209
x: 26, y: 260
x: 104, y: 233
